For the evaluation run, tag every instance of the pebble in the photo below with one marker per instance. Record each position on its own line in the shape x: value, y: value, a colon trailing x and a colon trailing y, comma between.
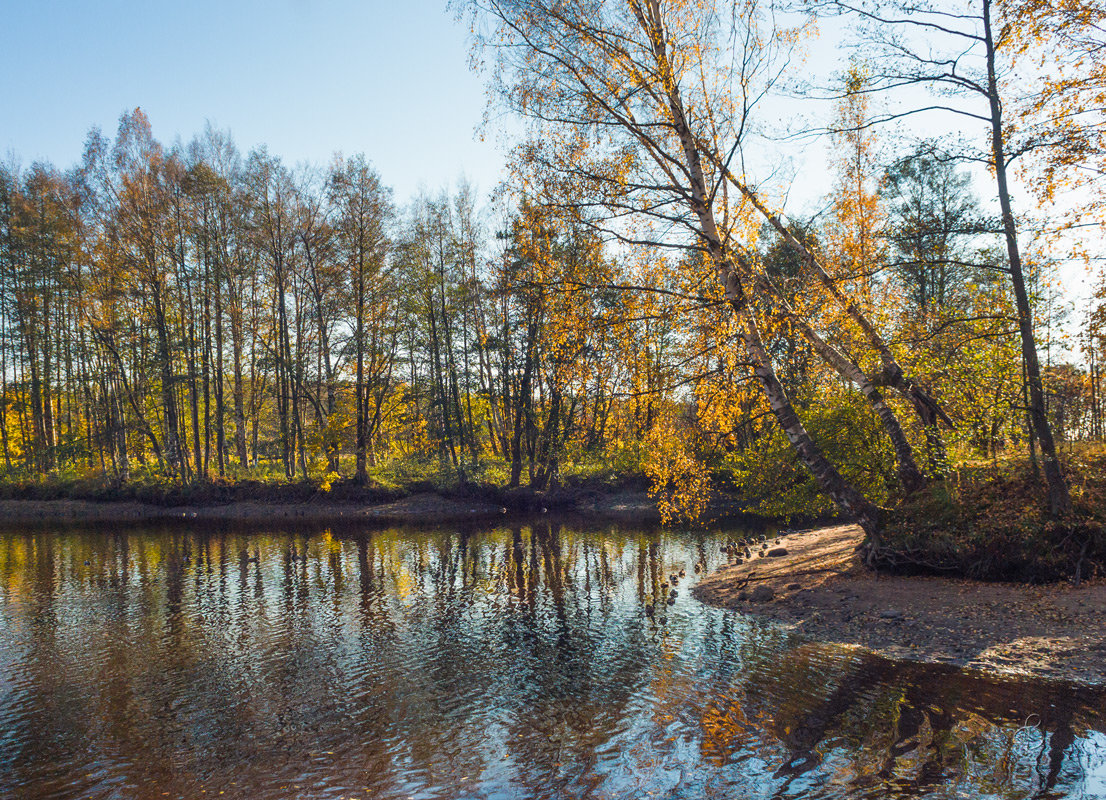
x: 777, y: 552
x: 762, y: 594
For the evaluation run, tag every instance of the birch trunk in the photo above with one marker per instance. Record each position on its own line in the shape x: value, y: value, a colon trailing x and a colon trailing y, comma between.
x: 700, y: 200
x: 910, y: 476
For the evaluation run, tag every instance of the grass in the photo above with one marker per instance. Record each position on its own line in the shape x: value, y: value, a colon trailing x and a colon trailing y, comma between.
x: 388, y: 479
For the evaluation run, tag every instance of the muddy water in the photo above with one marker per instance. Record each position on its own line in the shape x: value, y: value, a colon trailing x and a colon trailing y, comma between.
x: 506, y: 663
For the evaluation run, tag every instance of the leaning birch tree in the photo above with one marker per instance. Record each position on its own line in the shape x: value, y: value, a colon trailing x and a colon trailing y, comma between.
x: 638, y: 113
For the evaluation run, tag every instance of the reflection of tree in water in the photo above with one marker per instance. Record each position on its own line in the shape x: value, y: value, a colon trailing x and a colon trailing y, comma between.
x: 520, y: 659
x: 572, y: 667
x: 909, y: 728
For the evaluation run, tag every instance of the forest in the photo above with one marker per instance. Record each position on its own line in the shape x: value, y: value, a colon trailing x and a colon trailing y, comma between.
x: 630, y: 303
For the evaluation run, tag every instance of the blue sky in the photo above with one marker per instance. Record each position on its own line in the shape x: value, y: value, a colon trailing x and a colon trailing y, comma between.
x: 305, y: 77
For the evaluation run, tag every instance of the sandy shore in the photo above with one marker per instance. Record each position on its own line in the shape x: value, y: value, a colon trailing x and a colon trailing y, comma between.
x: 427, y: 507
x: 819, y: 587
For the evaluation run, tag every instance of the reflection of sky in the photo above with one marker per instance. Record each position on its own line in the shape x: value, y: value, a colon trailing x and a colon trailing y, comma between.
x: 497, y: 664
x: 1092, y: 763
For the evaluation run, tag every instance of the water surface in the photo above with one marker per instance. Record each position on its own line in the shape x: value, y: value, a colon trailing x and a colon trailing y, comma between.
x: 505, y: 663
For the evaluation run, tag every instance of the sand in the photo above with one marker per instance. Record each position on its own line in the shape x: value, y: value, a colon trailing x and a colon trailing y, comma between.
x: 821, y: 589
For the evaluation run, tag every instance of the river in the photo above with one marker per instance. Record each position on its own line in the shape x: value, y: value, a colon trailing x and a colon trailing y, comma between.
x: 530, y: 662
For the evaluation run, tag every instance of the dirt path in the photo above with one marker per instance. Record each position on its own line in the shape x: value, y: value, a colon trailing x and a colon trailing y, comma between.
x: 820, y: 588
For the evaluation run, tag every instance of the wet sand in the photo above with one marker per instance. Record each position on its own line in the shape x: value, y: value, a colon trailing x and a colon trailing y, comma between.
x: 821, y: 589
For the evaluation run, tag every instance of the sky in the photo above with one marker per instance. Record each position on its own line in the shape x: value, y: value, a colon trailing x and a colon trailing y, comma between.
x: 305, y: 77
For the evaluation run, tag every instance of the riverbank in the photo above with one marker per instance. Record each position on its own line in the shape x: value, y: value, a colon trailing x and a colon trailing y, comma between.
x: 422, y: 507
x: 814, y: 583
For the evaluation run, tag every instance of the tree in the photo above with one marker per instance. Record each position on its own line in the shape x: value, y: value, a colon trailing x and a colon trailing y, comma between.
x: 363, y: 209
x: 1062, y: 122
x: 933, y: 228
x: 633, y: 100
x: 969, y: 55
x: 270, y: 212
x: 857, y: 212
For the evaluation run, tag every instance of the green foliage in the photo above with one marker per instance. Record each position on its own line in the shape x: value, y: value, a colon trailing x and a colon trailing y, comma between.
x: 615, y: 461
x: 774, y: 482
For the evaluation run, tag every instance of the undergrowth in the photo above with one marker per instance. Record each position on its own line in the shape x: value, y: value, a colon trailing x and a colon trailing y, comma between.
x: 992, y: 524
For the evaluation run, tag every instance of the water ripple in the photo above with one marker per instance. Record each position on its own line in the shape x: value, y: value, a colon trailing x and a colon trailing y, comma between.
x: 505, y: 663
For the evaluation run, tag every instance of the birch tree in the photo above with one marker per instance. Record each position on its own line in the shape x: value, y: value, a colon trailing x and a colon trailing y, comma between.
x: 639, y: 111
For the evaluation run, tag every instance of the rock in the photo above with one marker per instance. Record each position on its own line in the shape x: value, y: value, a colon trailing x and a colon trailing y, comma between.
x: 891, y: 613
x: 762, y: 594
x: 791, y: 587
x: 742, y: 595
x: 776, y: 552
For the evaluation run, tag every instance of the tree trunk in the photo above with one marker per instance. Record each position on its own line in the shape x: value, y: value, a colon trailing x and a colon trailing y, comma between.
x: 832, y: 483
x: 1059, y: 499
x: 829, y: 479
x: 910, y: 476
x: 361, y: 434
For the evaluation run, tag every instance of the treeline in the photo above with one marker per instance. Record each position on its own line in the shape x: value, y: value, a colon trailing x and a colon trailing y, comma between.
x: 189, y: 312
x: 196, y: 313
